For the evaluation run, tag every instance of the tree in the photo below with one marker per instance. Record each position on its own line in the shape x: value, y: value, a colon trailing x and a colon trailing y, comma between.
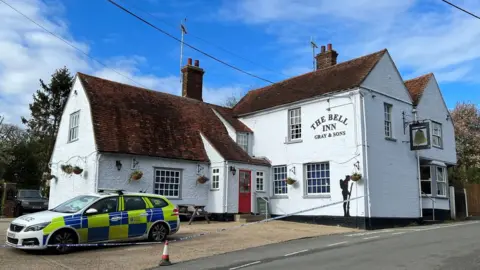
x: 466, y: 121
x: 46, y: 112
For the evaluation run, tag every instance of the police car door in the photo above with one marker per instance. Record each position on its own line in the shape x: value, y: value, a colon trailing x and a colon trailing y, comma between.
x: 106, y: 223
x: 135, y: 210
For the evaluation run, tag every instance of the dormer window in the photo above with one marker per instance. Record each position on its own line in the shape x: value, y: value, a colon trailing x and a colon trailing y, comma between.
x: 242, y: 140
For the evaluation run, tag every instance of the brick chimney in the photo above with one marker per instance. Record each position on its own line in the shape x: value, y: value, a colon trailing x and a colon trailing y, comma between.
x: 192, y: 82
x: 326, y: 58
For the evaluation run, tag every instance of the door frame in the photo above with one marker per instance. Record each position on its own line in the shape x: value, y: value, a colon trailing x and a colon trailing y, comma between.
x: 250, y: 190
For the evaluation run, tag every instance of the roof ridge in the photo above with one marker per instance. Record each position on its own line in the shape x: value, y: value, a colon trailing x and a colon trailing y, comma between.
x: 323, y: 69
x: 143, y: 88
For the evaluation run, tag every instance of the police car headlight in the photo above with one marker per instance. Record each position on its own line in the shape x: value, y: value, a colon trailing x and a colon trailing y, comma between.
x: 37, y: 227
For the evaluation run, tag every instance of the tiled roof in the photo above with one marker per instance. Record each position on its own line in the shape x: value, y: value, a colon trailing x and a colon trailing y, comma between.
x: 339, y: 77
x: 227, y: 114
x: 138, y: 121
x: 416, y: 86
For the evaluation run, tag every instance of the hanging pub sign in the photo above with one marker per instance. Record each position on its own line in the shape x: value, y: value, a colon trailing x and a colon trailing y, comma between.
x: 331, y: 125
x: 419, y: 136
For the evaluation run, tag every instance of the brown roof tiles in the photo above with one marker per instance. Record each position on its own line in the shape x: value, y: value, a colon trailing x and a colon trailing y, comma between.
x: 339, y: 77
x: 138, y: 121
x: 416, y: 86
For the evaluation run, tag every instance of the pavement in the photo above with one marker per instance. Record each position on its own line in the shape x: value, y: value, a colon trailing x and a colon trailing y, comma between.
x: 449, y: 246
x: 144, y: 255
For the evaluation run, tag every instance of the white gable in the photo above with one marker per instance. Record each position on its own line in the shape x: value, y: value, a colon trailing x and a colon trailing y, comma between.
x: 386, y: 79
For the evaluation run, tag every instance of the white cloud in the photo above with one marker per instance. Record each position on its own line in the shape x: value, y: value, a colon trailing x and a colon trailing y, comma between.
x: 29, y: 53
x: 423, y: 36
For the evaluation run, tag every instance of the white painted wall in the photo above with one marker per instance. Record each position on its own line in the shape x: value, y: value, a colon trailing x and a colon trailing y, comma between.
x: 440, y: 203
x: 191, y: 191
x: 231, y: 131
x: 432, y: 106
x: 80, y: 153
x: 270, y: 132
x: 215, y: 201
x: 393, y: 174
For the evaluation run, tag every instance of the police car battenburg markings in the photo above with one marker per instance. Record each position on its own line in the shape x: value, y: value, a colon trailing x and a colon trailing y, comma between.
x: 96, y: 218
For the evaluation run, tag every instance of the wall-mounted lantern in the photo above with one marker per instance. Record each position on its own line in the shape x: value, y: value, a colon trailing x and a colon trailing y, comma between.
x: 118, y: 164
x: 233, y: 170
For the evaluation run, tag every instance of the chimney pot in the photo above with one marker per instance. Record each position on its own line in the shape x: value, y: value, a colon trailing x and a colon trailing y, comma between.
x: 189, y: 61
x: 322, y: 49
x: 329, y: 46
x: 197, y: 63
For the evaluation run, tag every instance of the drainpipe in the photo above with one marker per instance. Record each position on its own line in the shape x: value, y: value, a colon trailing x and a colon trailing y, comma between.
x: 366, y: 154
x: 97, y: 165
x: 417, y: 156
x: 225, y: 189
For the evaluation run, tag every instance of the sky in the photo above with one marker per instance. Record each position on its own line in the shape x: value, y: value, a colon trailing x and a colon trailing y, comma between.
x: 267, y: 38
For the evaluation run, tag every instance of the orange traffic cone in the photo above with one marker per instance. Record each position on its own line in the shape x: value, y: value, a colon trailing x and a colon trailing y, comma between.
x: 165, y: 258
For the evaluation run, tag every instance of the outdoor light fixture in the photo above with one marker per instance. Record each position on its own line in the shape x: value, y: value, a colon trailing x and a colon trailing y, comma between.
x: 118, y: 164
x: 233, y: 170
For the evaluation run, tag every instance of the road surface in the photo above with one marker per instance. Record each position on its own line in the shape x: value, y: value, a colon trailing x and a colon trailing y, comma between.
x: 449, y: 246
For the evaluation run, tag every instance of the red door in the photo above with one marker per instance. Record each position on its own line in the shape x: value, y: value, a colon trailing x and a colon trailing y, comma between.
x: 245, y: 192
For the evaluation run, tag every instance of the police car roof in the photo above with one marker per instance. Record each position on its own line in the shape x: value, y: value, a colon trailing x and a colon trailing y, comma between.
x: 107, y: 193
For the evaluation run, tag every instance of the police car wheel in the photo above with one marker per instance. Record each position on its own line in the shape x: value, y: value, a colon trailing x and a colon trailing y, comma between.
x: 158, y: 232
x: 61, y: 238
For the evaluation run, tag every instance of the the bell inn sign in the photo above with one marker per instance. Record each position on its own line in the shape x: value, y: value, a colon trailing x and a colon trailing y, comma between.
x: 329, y: 126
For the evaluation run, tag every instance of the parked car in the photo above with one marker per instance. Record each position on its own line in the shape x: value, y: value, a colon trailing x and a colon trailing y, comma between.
x: 96, y: 218
x: 29, y: 200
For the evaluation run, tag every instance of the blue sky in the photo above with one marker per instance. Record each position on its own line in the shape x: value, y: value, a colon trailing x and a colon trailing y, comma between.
x: 422, y: 36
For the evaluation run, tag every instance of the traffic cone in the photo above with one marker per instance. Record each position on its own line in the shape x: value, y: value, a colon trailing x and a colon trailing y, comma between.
x: 165, y: 258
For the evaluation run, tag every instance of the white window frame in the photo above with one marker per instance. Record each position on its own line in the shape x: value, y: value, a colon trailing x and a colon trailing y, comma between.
x: 295, y: 124
x: 442, y: 180
x: 322, y: 181
x: 279, y: 180
x: 215, y: 185
x: 437, y: 135
x: 169, y: 174
x: 426, y: 180
x: 387, y: 116
x: 73, y: 126
x: 260, y: 181
x: 242, y: 140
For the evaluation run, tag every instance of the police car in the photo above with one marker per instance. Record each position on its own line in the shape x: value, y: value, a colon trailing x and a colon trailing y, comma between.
x: 96, y: 218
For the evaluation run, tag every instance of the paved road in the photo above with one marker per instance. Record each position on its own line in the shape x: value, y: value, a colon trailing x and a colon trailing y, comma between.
x: 448, y: 246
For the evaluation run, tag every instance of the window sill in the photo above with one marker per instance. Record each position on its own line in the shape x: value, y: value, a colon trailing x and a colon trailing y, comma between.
x: 435, y: 197
x: 390, y: 139
x: 214, y: 189
x: 260, y: 191
x: 72, y: 141
x: 438, y: 147
x: 279, y: 197
x: 175, y: 198
x: 295, y: 141
x: 321, y: 196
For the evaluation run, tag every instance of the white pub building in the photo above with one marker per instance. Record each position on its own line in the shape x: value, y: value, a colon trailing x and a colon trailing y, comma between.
x: 347, y: 130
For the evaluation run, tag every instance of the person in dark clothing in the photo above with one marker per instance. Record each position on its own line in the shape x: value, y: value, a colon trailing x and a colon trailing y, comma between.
x: 345, y: 193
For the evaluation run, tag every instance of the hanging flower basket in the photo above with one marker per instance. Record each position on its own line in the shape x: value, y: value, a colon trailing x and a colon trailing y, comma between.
x: 291, y: 181
x: 77, y: 170
x: 202, y: 179
x: 356, y: 177
x: 68, y: 169
x: 136, y: 175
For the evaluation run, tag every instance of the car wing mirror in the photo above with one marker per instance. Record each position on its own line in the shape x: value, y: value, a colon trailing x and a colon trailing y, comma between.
x: 91, y: 211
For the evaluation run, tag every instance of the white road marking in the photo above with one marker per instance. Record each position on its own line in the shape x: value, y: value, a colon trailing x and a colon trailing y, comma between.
x: 339, y: 243
x: 395, y: 233
x: 245, y: 265
x: 293, y: 253
x: 369, y: 233
x: 371, y: 237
